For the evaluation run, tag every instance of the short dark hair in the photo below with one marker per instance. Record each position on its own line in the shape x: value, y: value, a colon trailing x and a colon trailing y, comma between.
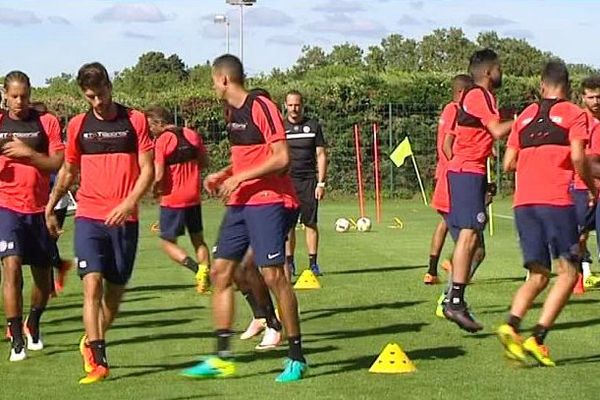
x: 480, y: 59
x: 16, y: 76
x: 231, y: 66
x: 462, y: 81
x: 591, y: 83
x: 555, y: 73
x: 92, y: 75
x: 295, y: 92
x: 160, y: 113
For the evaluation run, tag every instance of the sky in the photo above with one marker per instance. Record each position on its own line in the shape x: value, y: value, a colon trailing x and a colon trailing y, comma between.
x: 47, y: 38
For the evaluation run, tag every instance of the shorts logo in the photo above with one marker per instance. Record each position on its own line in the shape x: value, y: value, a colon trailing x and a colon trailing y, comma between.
x: 272, y: 256
x: 82, y: 264
x: 3, y: 246
x: 306, y: 129
x: 481, y: 218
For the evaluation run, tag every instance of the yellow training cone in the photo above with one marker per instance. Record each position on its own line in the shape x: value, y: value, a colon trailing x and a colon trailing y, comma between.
x: 307, y: 280
x: 392, y: 360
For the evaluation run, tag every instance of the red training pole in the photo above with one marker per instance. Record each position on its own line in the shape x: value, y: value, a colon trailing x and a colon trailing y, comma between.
x: 377, y: 172
x: 361, y: 199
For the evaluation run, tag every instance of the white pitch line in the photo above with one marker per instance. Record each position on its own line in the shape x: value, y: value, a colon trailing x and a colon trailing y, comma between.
x: 504, y: 216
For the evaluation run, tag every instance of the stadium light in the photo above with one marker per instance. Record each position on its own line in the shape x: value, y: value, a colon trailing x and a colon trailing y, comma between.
x: 222, y: 19
x: 241, y: 3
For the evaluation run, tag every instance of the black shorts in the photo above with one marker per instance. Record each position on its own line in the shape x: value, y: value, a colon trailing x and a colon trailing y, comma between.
x: 309, y: 205
x: 174, y: 221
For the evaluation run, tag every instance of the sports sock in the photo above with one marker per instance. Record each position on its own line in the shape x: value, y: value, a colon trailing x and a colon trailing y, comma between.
x: 190, y: 264
x: 33, y: 322
x: 433, y: 264
x: 539, y: 333
x: 99, y: 351
x: 15, y: 326
x: 312, y: 259
x: 257, y: 311
x: 514, y: 322
x: 223, y: 349
x: 457, y: 295
x: 295, y: 348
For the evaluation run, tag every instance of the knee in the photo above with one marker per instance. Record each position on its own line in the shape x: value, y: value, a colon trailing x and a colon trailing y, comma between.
x: 539, y: 276
x: 274, y: 277
x: 220, y: 277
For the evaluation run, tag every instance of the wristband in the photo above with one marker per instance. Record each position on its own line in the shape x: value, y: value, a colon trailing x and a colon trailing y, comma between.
x: 321, y: 185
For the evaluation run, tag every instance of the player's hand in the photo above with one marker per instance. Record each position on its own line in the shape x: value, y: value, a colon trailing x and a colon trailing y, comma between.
x: 17, y: 149
x: 228, y: 186
x: 52, y: 224
x: 592, y: 197
x: 157, y: 190
x: 120, y: 213
x: 211, y: 183
x: 319, y: 193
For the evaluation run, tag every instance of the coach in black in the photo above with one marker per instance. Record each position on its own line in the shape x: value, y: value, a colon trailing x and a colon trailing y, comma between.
x: 308, y: 169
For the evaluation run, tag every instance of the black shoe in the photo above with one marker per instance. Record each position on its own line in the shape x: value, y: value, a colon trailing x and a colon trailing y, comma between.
x: 463, y: 318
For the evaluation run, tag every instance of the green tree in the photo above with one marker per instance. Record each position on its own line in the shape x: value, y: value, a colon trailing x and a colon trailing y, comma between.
x: 445, y: 50
x: 346, y: 54
x: 400, y: 53
x: 311, y: 57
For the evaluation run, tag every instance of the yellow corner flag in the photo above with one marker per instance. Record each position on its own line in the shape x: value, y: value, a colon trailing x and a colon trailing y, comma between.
x: 401, y: 152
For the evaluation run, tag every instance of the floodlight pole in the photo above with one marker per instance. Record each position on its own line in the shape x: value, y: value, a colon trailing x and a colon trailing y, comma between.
x: 241, y: 3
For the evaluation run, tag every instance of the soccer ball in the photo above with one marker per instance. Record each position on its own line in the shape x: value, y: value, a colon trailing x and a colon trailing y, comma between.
x: 342, y: 225
x: 363, y: 224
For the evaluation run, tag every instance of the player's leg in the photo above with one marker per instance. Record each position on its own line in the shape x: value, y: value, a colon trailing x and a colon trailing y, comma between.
x: 437, y: 244
x: 172, y: 225
x: 195, y: 228
x: 309, y: 209
x: 478, y: 256
x: 267, y: 225
x: 232, y: 244
x: 61, y: 265
x: 40, y: 293
x: 290, y: 249
x: 467, y: 213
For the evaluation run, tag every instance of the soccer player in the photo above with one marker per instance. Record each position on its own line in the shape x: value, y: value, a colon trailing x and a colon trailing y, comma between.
x: 110, y: 149
x: 308, y: 170
x: 545, y: 147
x: 254, y: 216
x: 30, y: 149
x: 440, y: 201
x: 590, y: 98
x: 477, y: 125
x: 179, y: 158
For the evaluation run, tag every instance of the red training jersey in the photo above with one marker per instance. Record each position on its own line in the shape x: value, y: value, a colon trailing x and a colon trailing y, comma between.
x: 544, y: 168
x: 445, y: 125
x: 181, y: 181
x: 23, y: 187
x: 290, y: 200
x: 252, y: 128
x: 473, y: 144
x: 106, y: 152
x: 578, y: 183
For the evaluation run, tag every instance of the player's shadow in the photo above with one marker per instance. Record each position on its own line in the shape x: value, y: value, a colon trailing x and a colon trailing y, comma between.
x: 494, y: 281
x: 159, y: 288
x: 130, y: 313
x: 67, y: 306
x: 376, y: 270
x: 330, y: 312
x: 364, y: 362
x: 500, y: 309
x: 147, y: 324
x: 156, y: 337
x: 576, y: 324
x: 357, y: 333
x: 580, y: 360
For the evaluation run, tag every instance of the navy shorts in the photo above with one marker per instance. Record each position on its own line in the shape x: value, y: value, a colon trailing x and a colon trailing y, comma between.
x: 174, y: 221
x: 454, y: 232
x: 261, y: 226
x: 26, y: 236
x: 586, y: 215
x: 546, y: 233
x: 291, y: 218
x: 108, y: 250
x: 309, y: 205
x: 467, y: 200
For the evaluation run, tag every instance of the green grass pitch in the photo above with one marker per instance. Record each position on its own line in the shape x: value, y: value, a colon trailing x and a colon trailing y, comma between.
x: 372, y: 294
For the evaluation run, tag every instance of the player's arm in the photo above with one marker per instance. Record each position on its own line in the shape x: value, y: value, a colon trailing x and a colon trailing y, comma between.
x: 480, y: 105
x: 321, y: 172
x: 447, y: 146
x: 511, y: 156
x: 277, y: 161
x: 64, y: 180
x: 499, y: 129
x: 582, y: 166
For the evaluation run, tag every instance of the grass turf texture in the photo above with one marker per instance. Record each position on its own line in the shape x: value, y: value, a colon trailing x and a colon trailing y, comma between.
x: 372, y: 294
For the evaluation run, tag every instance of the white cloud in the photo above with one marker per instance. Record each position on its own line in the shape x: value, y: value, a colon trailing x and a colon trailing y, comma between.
x: 519, y: 34
x: 285, y: 40
x: 55, y: 19
x: 267, y: 17
x: 417, y: 5
x: 11, y: 16
x: 135, y: 12
x: 339, y: 6
x: 138, y: 35
x: 344, y: 25
x: 486, y: 21
x: 406, y: 20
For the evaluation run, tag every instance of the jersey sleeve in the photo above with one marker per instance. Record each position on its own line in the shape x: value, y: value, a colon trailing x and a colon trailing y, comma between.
x: 72, y: 151
x: 481, y: 105
x: 595, y: 137
x: 160, y: 148
x: 140, y: 124
x: 579, y: 129
x: 52, y: 127
x: 195, y: 138
x: 319, y: 138
x: 448, y: 119
x: 267, y: 118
